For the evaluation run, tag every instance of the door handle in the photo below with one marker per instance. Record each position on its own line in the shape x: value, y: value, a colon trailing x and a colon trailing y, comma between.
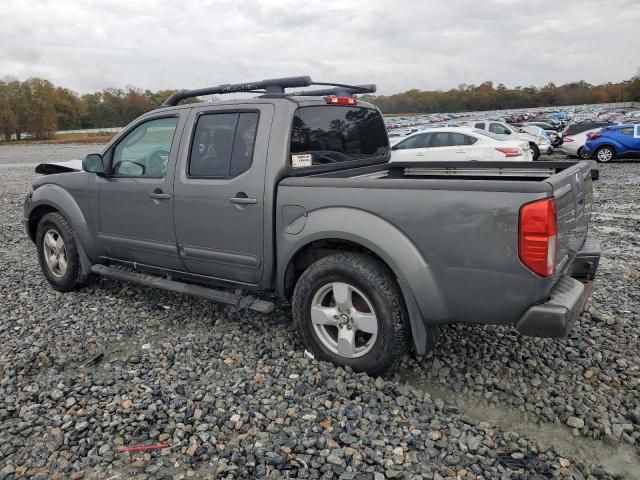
x: 159, y: 196
x: 243, y: 200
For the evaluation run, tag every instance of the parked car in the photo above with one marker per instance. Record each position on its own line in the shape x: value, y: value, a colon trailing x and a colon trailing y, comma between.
x: 585, y: 126
x: 572, y: 145
x: 612, y: 142
x: 546, y: 126
x: 294, y: 194
x: 539, y: 145
x: 456, y: 144
x: 558, y: 124
x: 554, y: 138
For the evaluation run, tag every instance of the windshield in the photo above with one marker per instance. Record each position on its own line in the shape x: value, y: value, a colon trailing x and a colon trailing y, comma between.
x: 332, y: 134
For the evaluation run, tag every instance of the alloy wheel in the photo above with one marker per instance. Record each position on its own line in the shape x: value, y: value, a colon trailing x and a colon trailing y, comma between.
x: 55, y: 253
x: 344, y: 320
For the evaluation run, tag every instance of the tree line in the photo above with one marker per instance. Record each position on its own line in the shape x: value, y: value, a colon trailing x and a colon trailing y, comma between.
x: 487, y: 97
x: 39, y: 108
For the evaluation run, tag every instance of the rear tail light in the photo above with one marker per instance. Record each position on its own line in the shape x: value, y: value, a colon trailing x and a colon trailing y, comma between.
x: 334, y: 100
x: 510, y: 152
x: 593, y: 136
x: 537, y: 236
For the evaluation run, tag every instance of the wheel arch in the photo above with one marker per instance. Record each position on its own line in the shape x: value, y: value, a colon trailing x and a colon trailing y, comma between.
x: 34, y: 219
x: 610, y: 145
x: 53, y: 198
x: 342, y: 229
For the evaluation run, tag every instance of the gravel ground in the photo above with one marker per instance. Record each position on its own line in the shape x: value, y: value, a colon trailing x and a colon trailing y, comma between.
x: 232, y: 394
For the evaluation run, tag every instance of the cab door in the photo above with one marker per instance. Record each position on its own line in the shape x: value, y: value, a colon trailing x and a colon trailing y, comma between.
x: 219, y: 192
x: 134, y: 198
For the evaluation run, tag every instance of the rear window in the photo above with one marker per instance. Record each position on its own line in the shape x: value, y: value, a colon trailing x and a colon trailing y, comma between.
x: 329, y: 134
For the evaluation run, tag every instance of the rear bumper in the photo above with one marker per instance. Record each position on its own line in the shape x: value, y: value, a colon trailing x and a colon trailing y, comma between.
x: 567, y: 149
x: 556, y: 316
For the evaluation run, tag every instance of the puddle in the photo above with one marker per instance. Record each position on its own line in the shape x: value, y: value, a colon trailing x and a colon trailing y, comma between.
x: 619, y: 460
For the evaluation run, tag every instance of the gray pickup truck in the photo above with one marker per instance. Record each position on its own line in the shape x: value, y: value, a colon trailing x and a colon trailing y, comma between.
x: 292, y: 193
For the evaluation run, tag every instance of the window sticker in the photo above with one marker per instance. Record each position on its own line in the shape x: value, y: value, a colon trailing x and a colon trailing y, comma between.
x: 300, y: 160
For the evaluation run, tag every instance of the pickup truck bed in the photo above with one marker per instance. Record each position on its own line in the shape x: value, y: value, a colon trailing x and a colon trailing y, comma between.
x: 457, y: 247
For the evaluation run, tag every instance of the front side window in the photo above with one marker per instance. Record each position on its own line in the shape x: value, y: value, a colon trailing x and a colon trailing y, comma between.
x: 333, y: 134
x: 499, y: 129
x: 480, y: 125
x: 144, y: 152
x: 417, y: 141
x: 223, y: 144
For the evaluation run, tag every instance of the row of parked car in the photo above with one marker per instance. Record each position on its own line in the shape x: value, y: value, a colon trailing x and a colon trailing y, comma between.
x: 494, y: 139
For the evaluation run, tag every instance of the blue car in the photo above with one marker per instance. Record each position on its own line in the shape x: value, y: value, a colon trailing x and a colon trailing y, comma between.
x: 613, y: 141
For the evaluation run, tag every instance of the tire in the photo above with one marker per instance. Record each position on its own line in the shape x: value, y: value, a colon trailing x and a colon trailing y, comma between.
x: 55, y: 241
x: 605, y: 154
x: 535, y: 151
x: 582, y: 155
x: 370, y: 288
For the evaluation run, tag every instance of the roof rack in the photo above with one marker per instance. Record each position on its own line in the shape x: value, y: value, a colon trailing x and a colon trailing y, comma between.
x: 272, y: 87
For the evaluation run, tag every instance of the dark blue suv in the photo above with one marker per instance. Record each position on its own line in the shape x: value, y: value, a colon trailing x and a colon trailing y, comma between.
x: 614, y: 141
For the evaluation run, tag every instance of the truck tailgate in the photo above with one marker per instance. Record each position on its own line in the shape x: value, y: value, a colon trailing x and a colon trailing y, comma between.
x: 573, y: 192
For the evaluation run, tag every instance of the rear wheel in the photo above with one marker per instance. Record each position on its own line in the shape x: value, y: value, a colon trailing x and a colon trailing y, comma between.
x: 583, y: 154
x: 58, y: 253
x: 535, y: 151
x: 605, y: 154
x: 349, y: 310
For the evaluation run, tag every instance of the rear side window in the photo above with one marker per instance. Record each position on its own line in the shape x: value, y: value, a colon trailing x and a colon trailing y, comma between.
x: 626, y: 131
x: 332, y: 134
x: 441, y: 139
x: 461, y: 139
x: 222, y: 145
x: 480, y: 126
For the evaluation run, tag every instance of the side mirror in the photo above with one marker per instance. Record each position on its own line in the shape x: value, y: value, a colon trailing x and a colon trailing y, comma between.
x: 395, y: 147
x: 93, y: 163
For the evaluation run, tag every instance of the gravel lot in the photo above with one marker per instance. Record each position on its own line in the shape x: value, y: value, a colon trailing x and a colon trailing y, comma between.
x: 233, y: 395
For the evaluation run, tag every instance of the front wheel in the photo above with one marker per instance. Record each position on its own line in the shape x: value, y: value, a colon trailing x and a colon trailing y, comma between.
x: 58, y: 253
x: 535, y: 151
x: 349, y: 310
x: 605, y: 154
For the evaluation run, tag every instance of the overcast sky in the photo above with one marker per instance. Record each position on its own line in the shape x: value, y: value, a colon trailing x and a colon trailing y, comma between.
x: 89, y: 45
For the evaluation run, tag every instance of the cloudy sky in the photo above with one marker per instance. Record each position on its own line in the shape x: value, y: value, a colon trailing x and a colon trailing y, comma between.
x: 88, y: 45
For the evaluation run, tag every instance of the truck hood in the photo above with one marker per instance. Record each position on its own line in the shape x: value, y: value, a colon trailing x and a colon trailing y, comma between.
x: 51, y: 168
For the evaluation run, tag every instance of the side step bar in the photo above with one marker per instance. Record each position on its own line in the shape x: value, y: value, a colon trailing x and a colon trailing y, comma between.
x: 238, y: 301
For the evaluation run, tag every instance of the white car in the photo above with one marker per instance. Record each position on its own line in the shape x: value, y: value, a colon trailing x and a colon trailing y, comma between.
x: 458, y: 143
x: 539, y: 145
x: 572, y: 144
